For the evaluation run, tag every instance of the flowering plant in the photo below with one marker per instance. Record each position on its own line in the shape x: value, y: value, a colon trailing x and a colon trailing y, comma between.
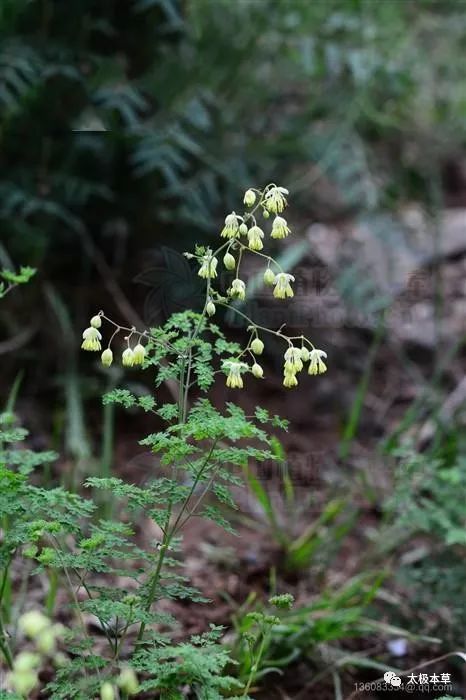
x: 197, y: 457
x: 243, y: 235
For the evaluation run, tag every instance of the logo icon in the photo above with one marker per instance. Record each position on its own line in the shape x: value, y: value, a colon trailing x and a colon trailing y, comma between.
x: 392, y: 678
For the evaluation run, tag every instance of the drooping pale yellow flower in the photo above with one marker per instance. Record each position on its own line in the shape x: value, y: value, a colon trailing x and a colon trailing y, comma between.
x: 96, y: 321
x: 238, y: 289
x: 91, y: 339
x: 229, y: 261
x: 255, y: 236
x: 235, y: 369
x: 269, y: 276
x: 32, y: 623
x: 24, y: 677
x: 289, y: 380
x: 305, y: 354
x: 274, y: 200
x: 282, y: 285
x: 293, y: 361
x: 139, y: 354
x: 128, y: 681
x: 249, y: 198
x: 208, y: 266
x: 257, y: 346
x: 106, y: 691
x: 231, y: 228
x: 257, y: 371
x: 317, y: 364
x: 45, y: 642
x: 279, y: 228
x: 107, y: 357
x: 26, y: 661
x: 127, y: 358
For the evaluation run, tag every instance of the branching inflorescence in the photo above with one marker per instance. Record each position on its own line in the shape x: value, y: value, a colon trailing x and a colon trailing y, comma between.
x: 242, y: 236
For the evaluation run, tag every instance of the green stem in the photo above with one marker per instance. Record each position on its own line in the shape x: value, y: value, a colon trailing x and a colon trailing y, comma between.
x: 52, y: 594
x: 4, y: 646
x: 257, y: 660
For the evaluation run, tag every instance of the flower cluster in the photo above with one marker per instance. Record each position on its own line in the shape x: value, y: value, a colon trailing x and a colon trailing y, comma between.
x: 131, y: 356
x: 271, y: 200
x: 241, y: 234
x: 294, y: 363
x: 24, y: 676
x: 127, y: 682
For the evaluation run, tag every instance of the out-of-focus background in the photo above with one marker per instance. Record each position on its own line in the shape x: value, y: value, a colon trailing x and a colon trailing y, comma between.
x: 128, y: 131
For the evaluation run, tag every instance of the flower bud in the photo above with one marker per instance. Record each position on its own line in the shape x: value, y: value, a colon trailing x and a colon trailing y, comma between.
x: 229, y: 261
x: 23, y: 682
x: 96, y: 322
x: 128, y: 681
x: 107, y: 357
x: 26, y: 661
x: 257, y: 371
x: 106, y: 691
x: 265, y: 214
x: 127, y: 358
x: 60, y: 660
x: 243, y: 229
x: 45, y: 642
x: 249, y: 198
x: 210, y: 308
x: 257, y: 346
x: 139, y: 353
x: 269, y: 276
x: 33, y: 623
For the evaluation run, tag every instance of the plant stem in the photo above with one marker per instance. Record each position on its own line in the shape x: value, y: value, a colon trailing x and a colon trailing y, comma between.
x: 4, y: 646
x: 52, y: 594
x: 255, y: 665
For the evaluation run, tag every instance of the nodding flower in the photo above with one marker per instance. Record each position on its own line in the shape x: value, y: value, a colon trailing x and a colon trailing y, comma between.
x: 91, y: 339
x: 255, y: 236
x: 257, y: 370
x: 139, y: 354
x: 293, y: 361
x: 317, y: 365
x: 235, y: 369
x: 289, y: 380
x: 282, y: 285
x: 127, y: 358
x: 249, y: 198
x: 275, y: 200
x: 107, y: 357
x: 96, y: 321
x: 229, y: 261
x: 231, y: 228
x: 208, y: 267
x: 257, y: 346
x: 305, y: 354
x: 279, y: 228
x: 238, y: 289
x: 210, y: 308
x: 269, y: 276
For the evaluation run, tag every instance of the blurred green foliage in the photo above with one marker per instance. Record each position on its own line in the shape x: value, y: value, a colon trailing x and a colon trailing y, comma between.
x: 135, y: 117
